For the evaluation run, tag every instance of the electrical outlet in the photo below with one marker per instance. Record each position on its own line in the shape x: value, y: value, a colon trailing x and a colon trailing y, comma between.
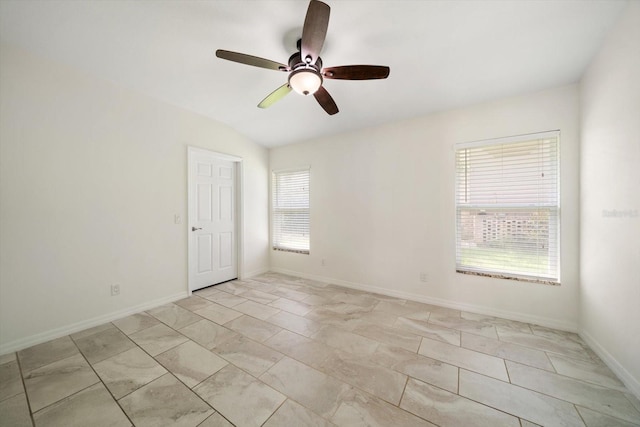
x: 115, y: 290
x: 323, y: 262
x: 424, y: 277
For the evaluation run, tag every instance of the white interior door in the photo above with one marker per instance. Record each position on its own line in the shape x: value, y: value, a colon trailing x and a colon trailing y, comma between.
x: 212, y: 228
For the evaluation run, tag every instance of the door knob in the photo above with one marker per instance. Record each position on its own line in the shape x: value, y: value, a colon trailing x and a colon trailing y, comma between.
x: 194, y: 228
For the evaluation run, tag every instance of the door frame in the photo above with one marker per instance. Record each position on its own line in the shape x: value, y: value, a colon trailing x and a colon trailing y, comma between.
x: 238, y: 213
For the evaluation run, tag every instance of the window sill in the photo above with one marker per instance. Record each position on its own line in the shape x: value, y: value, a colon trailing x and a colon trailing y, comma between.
x: 506, y: 277
x: 295, y: 251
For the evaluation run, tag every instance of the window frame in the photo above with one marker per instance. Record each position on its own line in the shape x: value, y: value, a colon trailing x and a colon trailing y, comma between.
x: 275, y: 244
x: 551, y: 279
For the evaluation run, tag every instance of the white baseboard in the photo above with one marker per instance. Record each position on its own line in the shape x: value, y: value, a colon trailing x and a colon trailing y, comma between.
x: 632, y: 383
x: 49, y: 335
x: 488, y: 311
x: 250, y: 274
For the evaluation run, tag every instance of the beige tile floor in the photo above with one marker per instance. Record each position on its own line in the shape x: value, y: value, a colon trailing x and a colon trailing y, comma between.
x: 282, y: 351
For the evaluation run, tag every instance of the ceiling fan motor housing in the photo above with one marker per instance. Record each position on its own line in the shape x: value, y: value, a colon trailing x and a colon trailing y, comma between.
x: 307, y: 78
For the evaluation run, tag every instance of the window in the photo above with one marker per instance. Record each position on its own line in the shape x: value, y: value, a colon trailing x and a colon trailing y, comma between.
x: 290, y: 210
x: 507, y: 208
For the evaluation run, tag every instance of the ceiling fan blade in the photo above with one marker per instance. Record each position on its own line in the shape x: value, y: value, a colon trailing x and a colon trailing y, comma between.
x: 326, y: 101
x: 250, y: 60
x: 275, y: 96
x: 356, y: 72
x: 314, y: 31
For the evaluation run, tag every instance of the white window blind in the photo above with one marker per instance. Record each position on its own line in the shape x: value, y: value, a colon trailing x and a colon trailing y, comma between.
x: 507, y: 208
x: 290, y: 210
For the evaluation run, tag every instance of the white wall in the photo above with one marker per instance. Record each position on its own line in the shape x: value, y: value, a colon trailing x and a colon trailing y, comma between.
x: 91, y: 177
x: 610, y: 177
x: 382, y: 208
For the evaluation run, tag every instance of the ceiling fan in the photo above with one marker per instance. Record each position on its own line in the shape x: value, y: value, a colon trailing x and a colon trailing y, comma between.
x: 305, y: 70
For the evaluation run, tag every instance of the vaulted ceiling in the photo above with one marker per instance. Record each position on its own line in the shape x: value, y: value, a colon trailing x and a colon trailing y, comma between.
x: 442, y: 54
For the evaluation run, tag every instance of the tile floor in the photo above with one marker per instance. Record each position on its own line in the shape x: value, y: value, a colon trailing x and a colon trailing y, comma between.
x: 282, y: 351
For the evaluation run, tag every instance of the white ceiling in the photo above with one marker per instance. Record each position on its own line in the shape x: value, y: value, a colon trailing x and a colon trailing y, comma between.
x: 442, y: 54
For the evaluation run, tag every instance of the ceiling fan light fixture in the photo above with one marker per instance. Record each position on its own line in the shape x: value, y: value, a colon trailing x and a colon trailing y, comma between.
x: 305, y: 81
